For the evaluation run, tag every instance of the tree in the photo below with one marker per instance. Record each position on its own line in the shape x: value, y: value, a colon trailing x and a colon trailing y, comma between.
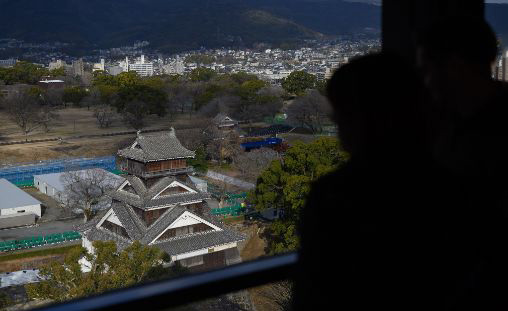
x: 202, y: 74
x: 104, y: 115
x: 298, y: 82
x: 199, y: 163
x: 155, y: 100
x: 220, y: 146
x: 87, y: 188
x: 285, y: 184
x: 52, y: 97
x: 24, y: 110
x: 47, y: 117
x: 134, y: 114
x: 109, y: 269
x: 74, y: 94
x: 252, y: 163
x: 23, y: 72
x: 310, y: 111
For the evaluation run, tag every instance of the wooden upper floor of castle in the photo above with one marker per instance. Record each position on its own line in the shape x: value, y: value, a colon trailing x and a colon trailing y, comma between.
x: 155, y: 155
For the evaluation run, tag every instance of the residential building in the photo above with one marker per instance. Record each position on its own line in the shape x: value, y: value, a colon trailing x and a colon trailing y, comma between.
x: 99, y: 66
x: 159, y: 205
x: 7, y: 63
x: 142, y: 68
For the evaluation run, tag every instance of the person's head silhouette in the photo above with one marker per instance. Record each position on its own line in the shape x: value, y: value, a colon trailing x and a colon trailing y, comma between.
x: 374, y: 101
x: 455, y: 55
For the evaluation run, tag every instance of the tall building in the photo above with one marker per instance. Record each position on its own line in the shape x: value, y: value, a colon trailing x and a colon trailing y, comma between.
x: 7, y: 63
x: 142, y: 68
x: 99, y: 66
x: 501, y: 69
x: 56, y: 64
x: 78, y: 67
x: 159, y: 205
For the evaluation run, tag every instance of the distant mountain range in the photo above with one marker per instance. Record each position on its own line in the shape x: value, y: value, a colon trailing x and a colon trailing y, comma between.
x: 176, y: 25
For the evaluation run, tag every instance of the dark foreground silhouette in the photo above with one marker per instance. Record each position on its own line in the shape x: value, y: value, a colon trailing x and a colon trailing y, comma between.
x: 401, y: 226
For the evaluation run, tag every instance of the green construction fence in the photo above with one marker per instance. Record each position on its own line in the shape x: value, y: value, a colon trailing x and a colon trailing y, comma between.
x: 38, y: 241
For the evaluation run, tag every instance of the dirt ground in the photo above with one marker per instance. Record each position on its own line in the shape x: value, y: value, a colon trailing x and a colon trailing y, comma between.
x: 253, y: 249
x: 80, y: 121
x: 83, y: 147
x: 51, y: 209
x: 29, y: 263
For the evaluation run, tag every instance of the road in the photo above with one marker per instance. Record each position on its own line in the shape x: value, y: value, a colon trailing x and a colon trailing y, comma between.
x: 42, y: 229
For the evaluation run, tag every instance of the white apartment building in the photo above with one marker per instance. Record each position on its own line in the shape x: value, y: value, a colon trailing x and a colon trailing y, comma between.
x: 142, y: 68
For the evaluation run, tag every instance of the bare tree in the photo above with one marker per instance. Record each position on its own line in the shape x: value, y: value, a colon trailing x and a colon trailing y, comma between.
x: 220, y: 145
x: 310, y: 111
x: 46, y: 118
x: 93, y: 98
x: 24, y: 110
x: 104, y: 115
x: 252, y: 163
x: 87, y: 188
x: 221, y: 104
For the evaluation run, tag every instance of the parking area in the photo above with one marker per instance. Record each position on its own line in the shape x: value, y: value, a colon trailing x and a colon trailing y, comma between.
x: 51, y: 209
x: 46, y: 228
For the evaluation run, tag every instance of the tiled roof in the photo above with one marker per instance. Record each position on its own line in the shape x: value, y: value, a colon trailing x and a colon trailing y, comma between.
x: 100, y: 234
x: 173, y: 246
x: 145, y: 197
x: 133, y: 230
x: 221, y: 118
x: 197, y: 241
x: 156, y: 146
x: 162, y: 223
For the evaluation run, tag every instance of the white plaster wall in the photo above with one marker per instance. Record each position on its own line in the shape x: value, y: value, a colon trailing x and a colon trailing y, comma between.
x: 114, y: 219
x: 184, y: 220
x: 87, y: 244
x: 203, y: 251
x: 35, y: 209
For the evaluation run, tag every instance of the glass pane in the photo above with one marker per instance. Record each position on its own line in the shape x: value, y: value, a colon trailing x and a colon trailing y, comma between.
x: 495, y: 13
x: 156, y: 139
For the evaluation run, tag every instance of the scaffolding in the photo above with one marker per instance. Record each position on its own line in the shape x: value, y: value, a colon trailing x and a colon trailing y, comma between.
x: 23, y: 175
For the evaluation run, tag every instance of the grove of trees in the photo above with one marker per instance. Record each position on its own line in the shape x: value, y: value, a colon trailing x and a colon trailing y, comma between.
x: 286, y: 183
x: 109, y: 269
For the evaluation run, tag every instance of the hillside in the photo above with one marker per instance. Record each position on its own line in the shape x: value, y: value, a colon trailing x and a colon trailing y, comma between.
x: 176, y: 25
x: 181, y: 24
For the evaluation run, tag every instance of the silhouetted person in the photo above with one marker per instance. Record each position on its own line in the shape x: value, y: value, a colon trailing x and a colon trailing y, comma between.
x: 369, y: 230
x: 467, y: 112
x: 467, y: 107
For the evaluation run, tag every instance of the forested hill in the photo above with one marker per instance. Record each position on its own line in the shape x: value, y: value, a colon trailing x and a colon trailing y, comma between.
x: 175, y: 25
x: 181, y: 24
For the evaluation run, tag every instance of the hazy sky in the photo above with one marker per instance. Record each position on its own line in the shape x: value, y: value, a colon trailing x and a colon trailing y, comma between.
x: 496, y: 1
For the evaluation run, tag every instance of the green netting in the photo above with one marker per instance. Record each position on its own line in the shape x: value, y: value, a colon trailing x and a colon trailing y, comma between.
x: 36, y: 241
x: 118, y: 172
x: 24, y: 184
